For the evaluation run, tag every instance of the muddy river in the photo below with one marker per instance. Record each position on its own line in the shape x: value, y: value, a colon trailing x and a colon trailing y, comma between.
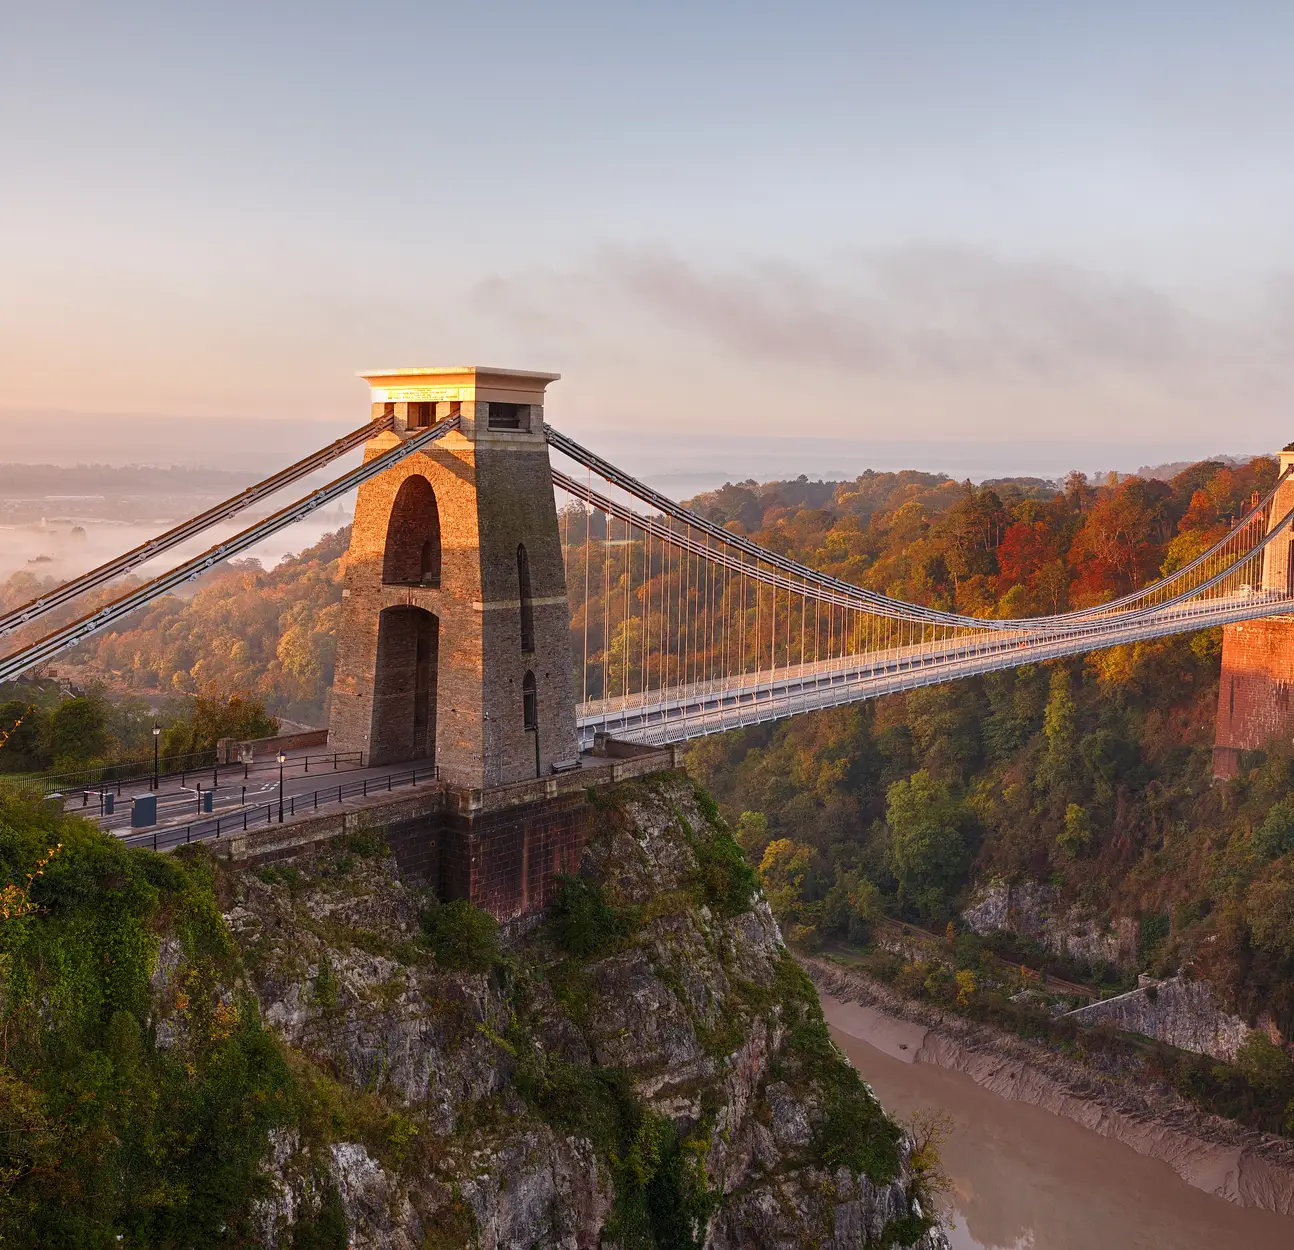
x: 1025, y: 1179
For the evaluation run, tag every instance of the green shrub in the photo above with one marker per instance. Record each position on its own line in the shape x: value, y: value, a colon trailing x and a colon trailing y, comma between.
x: 326, y: 984
x: 462, y: 936
x: 724, y: 880
x: 854, y: 1131
x: 662, y: 1200
x: 100, y: 1131
x: 582, y: 920
x: 327, y: 1229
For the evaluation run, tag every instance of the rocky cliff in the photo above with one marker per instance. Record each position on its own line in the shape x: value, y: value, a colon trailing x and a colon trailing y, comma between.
x: 645, y: 1067
x: 1034, y: 911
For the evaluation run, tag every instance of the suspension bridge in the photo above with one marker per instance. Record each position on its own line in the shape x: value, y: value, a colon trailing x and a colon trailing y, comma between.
x: 679, y: 627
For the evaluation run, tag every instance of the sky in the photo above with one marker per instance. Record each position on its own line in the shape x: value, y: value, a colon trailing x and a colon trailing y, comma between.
x: 1034, y: 232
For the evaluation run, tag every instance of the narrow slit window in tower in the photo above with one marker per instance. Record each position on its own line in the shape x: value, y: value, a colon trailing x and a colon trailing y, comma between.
x: 529, y: 703
x: 419, y: 416
x: 525, y: 596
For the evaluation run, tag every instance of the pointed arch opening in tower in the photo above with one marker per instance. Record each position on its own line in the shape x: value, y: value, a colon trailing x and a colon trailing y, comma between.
x: 405, y: 682
x: 412, y: 556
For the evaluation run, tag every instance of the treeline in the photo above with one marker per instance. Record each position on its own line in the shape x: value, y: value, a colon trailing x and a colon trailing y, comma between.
x: 63, y: 735
x: 270, y: 635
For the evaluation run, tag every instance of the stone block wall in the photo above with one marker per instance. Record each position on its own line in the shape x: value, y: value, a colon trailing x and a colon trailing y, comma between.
x: 517, y: 854
x: 506, y: 862
x: 1178, y: 1012
x: 1256, y: 690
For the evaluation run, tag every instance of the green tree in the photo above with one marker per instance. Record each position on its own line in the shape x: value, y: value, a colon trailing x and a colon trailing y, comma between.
x: 1265, y: 1065
x: 26, y: 744
x: 1077, y: 834
x: 1058, y: 771
x: 753, y: 835
x: 927, y: 852
x: 945, y: 722
x: 1270, y: 906
x: 781, y: 872
x: 852, y: 906
x: 1275, y: 836
x: 211, y: 718
x: 78, y: 732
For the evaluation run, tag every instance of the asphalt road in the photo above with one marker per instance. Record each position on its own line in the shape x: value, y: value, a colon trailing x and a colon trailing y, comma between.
x: 179, y: 804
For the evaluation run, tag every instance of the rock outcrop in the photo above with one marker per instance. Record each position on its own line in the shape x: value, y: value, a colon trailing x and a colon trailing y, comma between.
x: 1034, y: 911
x: 649, y: 1065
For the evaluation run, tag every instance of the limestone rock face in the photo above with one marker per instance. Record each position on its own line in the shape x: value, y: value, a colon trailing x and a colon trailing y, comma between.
x: 1033, y: 911
x: 535, y: 1104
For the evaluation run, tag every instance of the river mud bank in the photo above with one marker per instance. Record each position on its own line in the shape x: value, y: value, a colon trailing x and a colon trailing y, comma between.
x: 1218, y: 1156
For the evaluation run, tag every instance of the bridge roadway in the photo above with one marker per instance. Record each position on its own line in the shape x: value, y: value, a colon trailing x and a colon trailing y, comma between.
x: 702, y: 708
x: 178, y: 804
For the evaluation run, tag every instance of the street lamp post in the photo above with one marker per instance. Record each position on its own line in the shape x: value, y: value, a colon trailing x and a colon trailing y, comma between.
x: 283, y: 759
x: 157, y: 734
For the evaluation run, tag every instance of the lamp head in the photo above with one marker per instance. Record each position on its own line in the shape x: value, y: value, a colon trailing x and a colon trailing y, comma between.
x: 157, y: 731
x: 283, y: 759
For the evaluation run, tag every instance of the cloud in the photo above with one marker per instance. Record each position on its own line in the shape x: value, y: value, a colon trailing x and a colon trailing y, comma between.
x: 935, y: 313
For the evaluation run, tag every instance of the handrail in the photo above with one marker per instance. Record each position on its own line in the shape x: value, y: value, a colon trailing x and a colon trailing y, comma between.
x: 16, y: 618
x: 197, y: 770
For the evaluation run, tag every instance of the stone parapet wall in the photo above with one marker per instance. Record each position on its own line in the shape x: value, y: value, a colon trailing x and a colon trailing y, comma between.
x: 232, y: 751
x: 1177, y: 1012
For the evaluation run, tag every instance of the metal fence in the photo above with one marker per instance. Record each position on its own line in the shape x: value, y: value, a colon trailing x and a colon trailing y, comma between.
x: 165, y: 837
x: 104, y: 775
x: 216, y: 771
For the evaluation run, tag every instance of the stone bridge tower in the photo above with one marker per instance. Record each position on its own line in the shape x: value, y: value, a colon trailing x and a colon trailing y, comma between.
x: 454, y: 640
x: 1256, y: 690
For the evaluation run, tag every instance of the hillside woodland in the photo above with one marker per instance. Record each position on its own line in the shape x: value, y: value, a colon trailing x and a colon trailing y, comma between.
x: 1091, y: 775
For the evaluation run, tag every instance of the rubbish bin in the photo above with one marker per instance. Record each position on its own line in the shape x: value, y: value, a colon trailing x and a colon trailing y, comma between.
x: 143, y: 811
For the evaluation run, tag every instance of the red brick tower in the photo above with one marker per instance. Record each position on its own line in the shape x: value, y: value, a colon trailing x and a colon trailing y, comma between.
x: 454, y: 640
x: 1254, y: 694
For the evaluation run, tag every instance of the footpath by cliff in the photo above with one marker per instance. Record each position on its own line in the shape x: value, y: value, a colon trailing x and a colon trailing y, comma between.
x: 317, y: 1054
x: 1217, y: 1155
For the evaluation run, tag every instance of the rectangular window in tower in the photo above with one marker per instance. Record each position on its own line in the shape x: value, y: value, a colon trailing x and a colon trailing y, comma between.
x: 419, y: 416
x: 509, y: 416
